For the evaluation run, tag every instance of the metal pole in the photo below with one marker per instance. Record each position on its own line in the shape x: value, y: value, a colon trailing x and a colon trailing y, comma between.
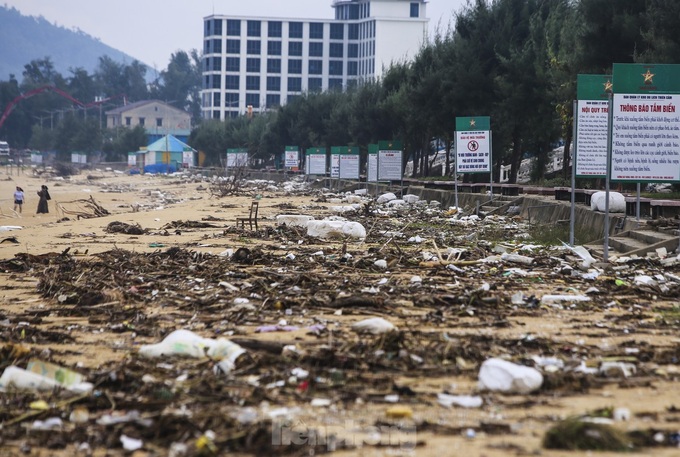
x: 572, y: 214
x: 455, y: 171
x: 491, y: 164
x: 610, y: 116
x: 637, y: 206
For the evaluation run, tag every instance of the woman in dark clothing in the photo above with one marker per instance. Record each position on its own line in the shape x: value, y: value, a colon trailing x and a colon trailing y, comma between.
x: 44, y: 196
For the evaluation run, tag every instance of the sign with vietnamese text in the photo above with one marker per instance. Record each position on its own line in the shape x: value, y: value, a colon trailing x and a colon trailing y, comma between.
x: 473, y: 145
x: 592, y: 125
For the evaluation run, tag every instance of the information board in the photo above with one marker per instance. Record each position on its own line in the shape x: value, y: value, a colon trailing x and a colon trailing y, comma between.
x: 592, y: 125
x: 292, y: 157
x: 473, y: 145
x: 349, y: 161
x: 645, y: 138
x: 316, y: 161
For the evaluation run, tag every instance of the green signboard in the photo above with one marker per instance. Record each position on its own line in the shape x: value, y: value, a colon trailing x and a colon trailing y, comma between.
x: 643, y: 78
x: 593, y: 87
x: 466, y: 124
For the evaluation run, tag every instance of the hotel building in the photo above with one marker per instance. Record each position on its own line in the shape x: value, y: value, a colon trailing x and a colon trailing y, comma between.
x: 257, y: 63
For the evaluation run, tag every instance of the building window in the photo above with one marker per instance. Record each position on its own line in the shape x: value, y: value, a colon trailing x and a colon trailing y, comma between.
x: 353, y: 31
x: 231, y: 82
x: 335, y: 67
x: 273, y: 100
x: 233, y: 46
x: 253, y: 47
x: 254, y: 28
x: 216, y: 114
x: 233, y: 27
x: 142, y: 121
x: 274, y: 29
x: 415, y: 10
x: 217, y: 27
x: 353, y: 50
x: 232, y: 114
x: 230, y: 99
x: 294, y: 84
x: 295, y: 66
x: 274, y: 48
x: 335, y: 84
x: 315, y: 67
x: 352, y: 68
x: 314, y: 85
x: 217, y: 64
x: 217, y: 46
x: 337, y: 31
x: 159, y: 120
x: 273, y: 83
x: 207, y: 28
x: 128, y: 121
x: 295, y: 48
x: 292, y: 97
x: 316, y: 30
x: 217, y: 101
x: 252, y: 65
x: 206, y: 46
x: 335, y: 50
x: 295, y: 30
x: 253, y: 100
x: 316, y: 49
x: 273, y: 65
x: 233, y: 64
x: 252, y: 82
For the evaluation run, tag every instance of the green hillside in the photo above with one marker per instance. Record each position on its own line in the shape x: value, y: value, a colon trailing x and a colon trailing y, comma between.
x: 25, y: 38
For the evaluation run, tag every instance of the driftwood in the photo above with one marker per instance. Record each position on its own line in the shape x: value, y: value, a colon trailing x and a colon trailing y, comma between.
x: 87, y: 209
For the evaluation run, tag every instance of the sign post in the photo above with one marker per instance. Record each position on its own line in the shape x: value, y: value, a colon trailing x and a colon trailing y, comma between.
x: 349, y: 163
x: 590, y: 133
x: 390, y: 162
x: 372, y: 166
x: 473, y: 146
x: 644, y: 140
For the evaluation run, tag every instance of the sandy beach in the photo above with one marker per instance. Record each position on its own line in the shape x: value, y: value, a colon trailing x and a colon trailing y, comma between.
x: 505, y: 425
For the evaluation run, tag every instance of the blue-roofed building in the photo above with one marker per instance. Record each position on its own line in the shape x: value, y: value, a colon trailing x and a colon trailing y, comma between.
x: 165, y: 155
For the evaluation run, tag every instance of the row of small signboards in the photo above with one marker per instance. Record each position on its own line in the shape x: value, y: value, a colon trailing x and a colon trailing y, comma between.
x: 639, y: 141
x: 384, y: 162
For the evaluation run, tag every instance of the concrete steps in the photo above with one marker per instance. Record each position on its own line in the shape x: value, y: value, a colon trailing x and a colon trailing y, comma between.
x: 637, y: 242
x: 497, y: 206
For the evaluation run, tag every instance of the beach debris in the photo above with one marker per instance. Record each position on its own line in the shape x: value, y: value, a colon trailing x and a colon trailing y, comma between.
x: 503, y: 376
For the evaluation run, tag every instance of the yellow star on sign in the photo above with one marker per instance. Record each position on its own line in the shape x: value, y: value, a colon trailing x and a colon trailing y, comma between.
x: 473, y: 122
x: 648, y: 77
x: 608, y: 86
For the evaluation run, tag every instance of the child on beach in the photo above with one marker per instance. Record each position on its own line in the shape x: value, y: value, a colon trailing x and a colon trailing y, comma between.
x: 18, y: 198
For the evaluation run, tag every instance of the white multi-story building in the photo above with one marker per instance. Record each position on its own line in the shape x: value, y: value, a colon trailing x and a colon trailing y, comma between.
x: 256, y: 63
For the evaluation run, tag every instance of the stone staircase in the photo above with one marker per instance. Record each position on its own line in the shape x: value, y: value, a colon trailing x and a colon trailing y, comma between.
x: 498, y: 205
x: 637, y: 242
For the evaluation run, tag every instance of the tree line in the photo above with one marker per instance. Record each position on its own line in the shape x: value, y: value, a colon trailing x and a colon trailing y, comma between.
x: 51, y: 122
x: 513, y: 60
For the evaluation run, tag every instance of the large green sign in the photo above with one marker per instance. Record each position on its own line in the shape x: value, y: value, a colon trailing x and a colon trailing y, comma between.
x: 593, y: 87
x: 643, y: 78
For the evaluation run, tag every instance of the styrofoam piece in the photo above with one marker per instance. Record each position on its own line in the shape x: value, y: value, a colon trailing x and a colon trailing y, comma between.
x: 617, y: 202
x: 374, y: 325
x: 330, y: 229
x: 465, y: 401
x: 502, y: 376
x: 410, y: 198
x: 388, y: 197
x: 293, y: 220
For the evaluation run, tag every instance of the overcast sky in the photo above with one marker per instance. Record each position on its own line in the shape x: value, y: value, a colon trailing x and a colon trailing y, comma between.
x: 151, y: 30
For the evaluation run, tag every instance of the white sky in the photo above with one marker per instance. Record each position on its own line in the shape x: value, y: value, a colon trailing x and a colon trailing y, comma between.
x: 151, y: 30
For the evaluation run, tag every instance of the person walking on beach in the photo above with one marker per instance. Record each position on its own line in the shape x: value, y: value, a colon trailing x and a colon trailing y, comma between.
x: 44, y: 196
x: 18, y: 198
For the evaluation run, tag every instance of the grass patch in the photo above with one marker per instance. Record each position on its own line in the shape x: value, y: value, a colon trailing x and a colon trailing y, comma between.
x: 576, y: 435
x: 555, y: 234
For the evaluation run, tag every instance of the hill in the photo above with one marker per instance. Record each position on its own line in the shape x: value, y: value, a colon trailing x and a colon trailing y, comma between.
x: 26, y: 38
